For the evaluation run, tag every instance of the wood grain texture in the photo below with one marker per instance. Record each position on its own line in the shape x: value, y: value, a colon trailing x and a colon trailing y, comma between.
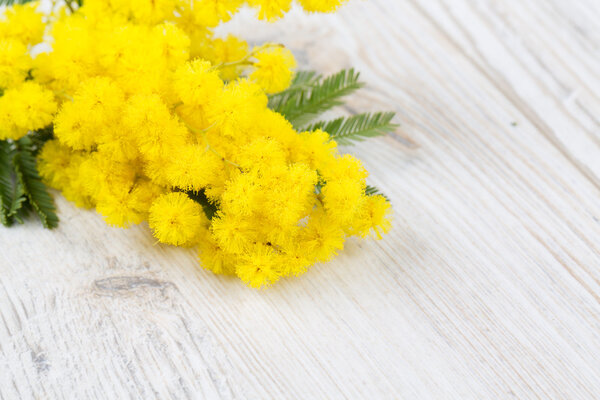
x: 487, y: 287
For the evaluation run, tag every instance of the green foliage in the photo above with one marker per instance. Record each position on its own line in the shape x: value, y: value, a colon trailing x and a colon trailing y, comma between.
x: 6, y: 182
x: 39, y: 137
x: 373, y: 191
x: 12, y: 191
x: 37, y: 194
x: 210, y: 209
x: 21, y: 188
x: 356, y: 128
x: 303, y: 80
x: 310, y: 95
x: 18, y: 198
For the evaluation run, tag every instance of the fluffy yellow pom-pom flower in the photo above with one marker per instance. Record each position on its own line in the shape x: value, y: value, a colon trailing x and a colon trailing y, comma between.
x: 274, y: 68
x: 15, y: 62
x: 151, y: 11
x: 271, y: 9
x: 94, y: 112
x: 25, y: 108
x: 196, y: 82
x: 321, y: 5
x: 175, y: 43
x: 211, y: 12
x: 228, y: 50
x: 53, y: 163
x: 176, y: 219
x: 259, y: 268
x: 23, y: 22
x: 322, y: 238
x: 213, y: 257
x: 155, y: 130
x: 373, y: 217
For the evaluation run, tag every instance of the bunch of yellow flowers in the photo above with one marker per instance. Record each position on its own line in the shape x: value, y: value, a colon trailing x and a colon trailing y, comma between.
x: 156, y: 120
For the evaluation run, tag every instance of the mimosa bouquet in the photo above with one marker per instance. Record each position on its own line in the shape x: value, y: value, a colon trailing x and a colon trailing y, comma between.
x: 135, y: 108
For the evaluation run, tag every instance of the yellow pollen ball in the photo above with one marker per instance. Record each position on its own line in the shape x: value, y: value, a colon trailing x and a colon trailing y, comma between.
x: 176, y: 219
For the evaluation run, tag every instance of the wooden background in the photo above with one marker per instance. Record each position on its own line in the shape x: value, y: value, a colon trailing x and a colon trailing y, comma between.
x: 487, y: 287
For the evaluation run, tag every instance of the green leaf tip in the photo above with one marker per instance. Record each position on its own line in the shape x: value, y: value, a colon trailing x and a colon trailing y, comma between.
x: 310, y: 95
x: 373, y: 191
x: 21, y: 188
x: 35, y: 190
x: 356, y: 128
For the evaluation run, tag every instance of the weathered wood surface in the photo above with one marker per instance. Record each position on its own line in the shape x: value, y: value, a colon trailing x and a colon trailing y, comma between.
x: 488, y: 286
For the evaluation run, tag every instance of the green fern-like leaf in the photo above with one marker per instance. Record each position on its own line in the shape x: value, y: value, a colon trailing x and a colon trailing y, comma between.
x: 356, y: 128
x: 40, y: 137
x: 36, y: 192
x: 314, y: 96
x: 373, y: 191
x: 303, y: 80
x: 6, y: 182
x: 210, y: 209
x: 12, y: 192
x: 19, y: 198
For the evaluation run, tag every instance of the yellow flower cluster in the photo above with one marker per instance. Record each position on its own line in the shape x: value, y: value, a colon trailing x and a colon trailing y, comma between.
x: 159, y: 121
x: 25, y: 105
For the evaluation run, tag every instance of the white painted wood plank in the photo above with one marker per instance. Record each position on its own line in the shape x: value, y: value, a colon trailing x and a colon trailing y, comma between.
x: 487, y: 287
